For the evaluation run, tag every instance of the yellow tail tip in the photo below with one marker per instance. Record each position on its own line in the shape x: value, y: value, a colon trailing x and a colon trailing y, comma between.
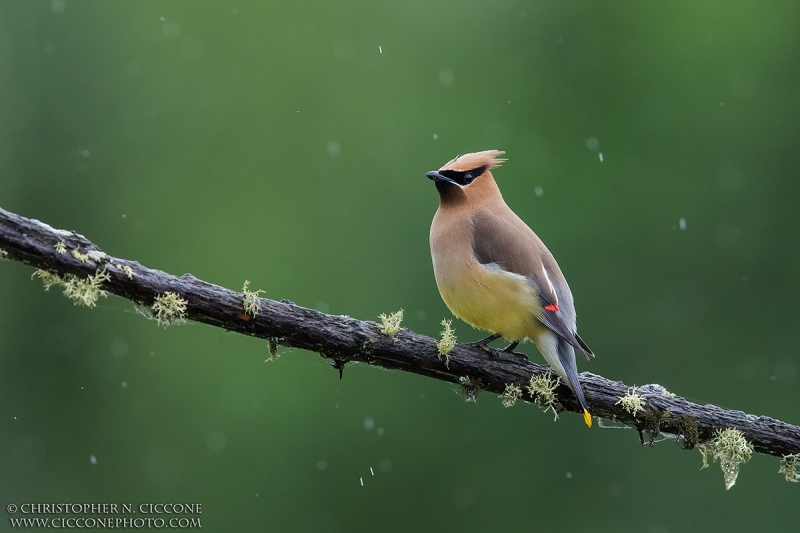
x: 587, y: 418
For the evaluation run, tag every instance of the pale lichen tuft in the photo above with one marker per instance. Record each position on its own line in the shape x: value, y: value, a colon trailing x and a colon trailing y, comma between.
x: 128, y: 271
x: 168, y: 308
x: 49, y: 279
x: 3, y: 255
x: 391, y: 324
x: 250, y: 300
x: 542, y: 388
x: 82, y: 291
x: 76, y: 253
x: 788, y: 467
x: 633, y: 402
x: 731, y: 449
x: 447, y: 342
x: 511, y: 395
x: 61, y: 247
x: 85, y: 291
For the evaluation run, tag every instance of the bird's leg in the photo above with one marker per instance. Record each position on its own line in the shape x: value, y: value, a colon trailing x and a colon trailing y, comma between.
x: 511, y: 347
x: 484, y: 343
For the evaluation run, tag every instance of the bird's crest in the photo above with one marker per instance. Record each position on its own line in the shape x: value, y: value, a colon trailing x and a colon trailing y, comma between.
x: 487, y: 158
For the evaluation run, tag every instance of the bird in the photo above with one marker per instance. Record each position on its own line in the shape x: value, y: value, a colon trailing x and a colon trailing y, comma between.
x: 494, y: 273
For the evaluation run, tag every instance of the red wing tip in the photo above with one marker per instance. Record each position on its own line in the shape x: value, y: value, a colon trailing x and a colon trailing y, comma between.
x: 552, y: 308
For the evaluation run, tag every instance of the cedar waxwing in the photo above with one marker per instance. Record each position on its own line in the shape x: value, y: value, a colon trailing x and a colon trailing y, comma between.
x: 494, y: 273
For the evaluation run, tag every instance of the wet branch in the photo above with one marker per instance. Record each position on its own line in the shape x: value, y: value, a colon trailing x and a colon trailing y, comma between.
x: 344, y: 339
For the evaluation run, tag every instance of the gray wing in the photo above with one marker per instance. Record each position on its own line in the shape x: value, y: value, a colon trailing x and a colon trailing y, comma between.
x: 513, y: 246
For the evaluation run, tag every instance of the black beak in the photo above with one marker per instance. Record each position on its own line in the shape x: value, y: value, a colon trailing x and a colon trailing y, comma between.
x: 436, y: 176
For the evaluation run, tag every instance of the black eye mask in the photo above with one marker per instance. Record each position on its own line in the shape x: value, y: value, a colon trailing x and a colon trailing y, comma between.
x: 463, y: 177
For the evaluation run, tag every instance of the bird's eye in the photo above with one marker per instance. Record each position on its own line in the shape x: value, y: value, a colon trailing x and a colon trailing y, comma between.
x: 468, y: 178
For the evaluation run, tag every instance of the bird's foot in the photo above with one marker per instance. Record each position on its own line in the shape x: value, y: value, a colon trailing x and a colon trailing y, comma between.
x: 508, y: 353
x: 517, y: 357
x: 483, y: 344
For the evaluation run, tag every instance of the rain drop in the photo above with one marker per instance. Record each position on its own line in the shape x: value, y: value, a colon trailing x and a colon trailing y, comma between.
x: 446, y: 77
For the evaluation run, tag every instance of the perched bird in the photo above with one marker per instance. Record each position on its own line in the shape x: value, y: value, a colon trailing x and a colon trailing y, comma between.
x: 494, y: 273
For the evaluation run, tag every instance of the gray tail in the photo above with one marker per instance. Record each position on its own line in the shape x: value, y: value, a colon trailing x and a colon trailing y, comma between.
x: 566, y: 355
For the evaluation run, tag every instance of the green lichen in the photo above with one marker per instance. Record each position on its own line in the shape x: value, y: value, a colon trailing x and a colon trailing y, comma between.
x: 128, y: 271
x: 511, y: 395
x: 391, y: 324
x: 61, y: 247
x: 447, y: 342
x: 470, y: 388
x: 83, y: 258
x: 86, y: 291
x: 49, y: 279
x: 250, y: 300
x: 687, y: 428
x: 3, y: 255
x: 652, y: 425
x: 788, y: 467
x: 82, y: 291
x: 168, y: 308
x: 731, y: 449
x: 542, y: 389
x: 633, y: 402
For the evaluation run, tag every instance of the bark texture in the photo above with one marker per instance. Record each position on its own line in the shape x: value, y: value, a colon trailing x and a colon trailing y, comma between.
x: 343, y: 339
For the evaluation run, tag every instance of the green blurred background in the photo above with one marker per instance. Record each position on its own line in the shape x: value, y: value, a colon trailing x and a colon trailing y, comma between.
x: 287, y: 143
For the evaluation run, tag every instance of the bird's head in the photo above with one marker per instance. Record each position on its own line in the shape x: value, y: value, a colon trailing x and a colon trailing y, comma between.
x: 459, y: 174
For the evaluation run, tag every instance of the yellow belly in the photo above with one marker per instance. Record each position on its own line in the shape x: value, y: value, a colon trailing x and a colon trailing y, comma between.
x: 493, y: 300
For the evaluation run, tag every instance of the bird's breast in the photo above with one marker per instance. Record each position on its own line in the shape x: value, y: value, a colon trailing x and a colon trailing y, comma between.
x: 484, y: 296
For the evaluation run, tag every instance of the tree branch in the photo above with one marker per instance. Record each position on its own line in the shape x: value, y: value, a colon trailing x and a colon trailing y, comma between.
x: 345, y: 339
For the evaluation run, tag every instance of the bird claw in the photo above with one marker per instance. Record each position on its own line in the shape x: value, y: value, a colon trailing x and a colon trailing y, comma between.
x: 517, y: 357
x: 483, y: 344
x: 506, y: 353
